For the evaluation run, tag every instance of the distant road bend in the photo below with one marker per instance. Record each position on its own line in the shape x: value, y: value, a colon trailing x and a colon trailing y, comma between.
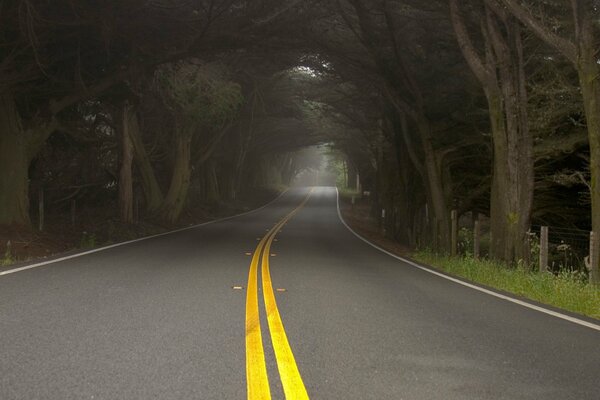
x: 283, y: 302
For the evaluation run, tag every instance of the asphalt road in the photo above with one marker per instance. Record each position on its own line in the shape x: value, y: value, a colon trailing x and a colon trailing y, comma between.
x: 159, y: 319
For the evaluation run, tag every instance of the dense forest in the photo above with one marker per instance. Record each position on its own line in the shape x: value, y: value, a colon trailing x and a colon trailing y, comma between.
x: 487, y: 107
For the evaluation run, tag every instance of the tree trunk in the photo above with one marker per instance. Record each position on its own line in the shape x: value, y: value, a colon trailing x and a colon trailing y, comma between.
x: 214, y: 180
x: 431, y: 174
x: 502, y: 76
x: 582, y: 52
x: 125, y: 175
x: 14, y: 163
x: 404, y: 198
x: 435, y: 187
x: 590, y: 88
x: 288, y: 166
x: 152, y: 191
x: 209, y: 183
x: 180, y: 179
x: 512, y: 186
x: 243, y: 145
x: 512, y: 191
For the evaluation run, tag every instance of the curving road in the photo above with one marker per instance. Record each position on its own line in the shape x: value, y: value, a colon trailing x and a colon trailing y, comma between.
x: 172, y: 317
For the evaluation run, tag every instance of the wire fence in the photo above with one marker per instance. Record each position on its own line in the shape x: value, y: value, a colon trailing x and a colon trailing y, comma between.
x: 567, y: 248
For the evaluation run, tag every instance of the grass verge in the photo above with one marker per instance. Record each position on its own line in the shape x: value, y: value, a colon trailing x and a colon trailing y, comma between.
x: 566, y: 290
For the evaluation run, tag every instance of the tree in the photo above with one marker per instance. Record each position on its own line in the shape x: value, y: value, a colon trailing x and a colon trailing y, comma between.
x: 501, y: 72
x: 581, y: 49
x: 198, y: 98
x: 401, y: 88
x: 54, y: 56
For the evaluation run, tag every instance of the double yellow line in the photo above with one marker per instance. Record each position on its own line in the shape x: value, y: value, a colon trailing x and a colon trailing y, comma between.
x: 256, y: 369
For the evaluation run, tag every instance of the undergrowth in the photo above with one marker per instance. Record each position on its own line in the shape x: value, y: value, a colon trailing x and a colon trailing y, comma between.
x: 8, y: 257
x: 567, y: 290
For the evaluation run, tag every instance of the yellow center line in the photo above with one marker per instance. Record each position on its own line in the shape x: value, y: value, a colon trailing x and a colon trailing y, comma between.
x: 256, y: 372
x: 257, y: 380
x: 291, y: 380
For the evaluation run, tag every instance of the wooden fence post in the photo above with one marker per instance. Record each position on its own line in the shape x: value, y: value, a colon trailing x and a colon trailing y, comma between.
x: 436, y: 229
x: 476, y: 239
x: 591, y: 260
x: 527, y: 255
x: 41, y: 208
x: 544, y: 249
x: 454, y: 217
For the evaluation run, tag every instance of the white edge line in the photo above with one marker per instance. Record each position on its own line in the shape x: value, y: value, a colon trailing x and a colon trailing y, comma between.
x: 475, y: 287
x: 96, y: 250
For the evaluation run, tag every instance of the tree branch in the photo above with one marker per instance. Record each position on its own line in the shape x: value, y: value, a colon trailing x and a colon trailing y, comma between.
x: 57, y: 106
x: 566, y: 47
x: 475, y: 62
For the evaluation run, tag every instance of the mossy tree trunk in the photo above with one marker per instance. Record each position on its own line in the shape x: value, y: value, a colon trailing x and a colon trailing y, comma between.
x: 176, y: 197
x: 435, y: 186
x: 582, y: 52
x: 152, y: 192
x: 18, y: 146
x: 410, y: 170
x: 239, y: 166
x: 429, y: 169
x: 14, y: 163
x: 208, y: 183
x: 125, y: 173
x: 589, y: 75
x: 502, y: 76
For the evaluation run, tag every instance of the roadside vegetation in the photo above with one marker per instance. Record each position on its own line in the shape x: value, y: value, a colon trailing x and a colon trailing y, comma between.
x: 568, y: 290
x: 96, y: 227
x: 136, y: 114
x: 7, y: 258
x: 566, y: 287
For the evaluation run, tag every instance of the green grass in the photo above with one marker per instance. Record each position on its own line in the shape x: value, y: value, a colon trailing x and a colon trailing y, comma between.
x: 567, y: 290
x: 347, y: 193
x: 8, y: 257
x: 6, y: 261
x: 88, y: 240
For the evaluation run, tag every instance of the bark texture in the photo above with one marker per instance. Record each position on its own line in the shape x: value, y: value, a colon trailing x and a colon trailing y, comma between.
x: 14, y: 163
x: 582, y: 52
x: 125, y: 174
x: 501, y: 73
x: 174, y: 202
x: 590, y: 87
x: 152, y: 192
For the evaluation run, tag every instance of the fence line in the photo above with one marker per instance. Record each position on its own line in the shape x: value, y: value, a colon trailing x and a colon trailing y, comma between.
x: 551, y: 248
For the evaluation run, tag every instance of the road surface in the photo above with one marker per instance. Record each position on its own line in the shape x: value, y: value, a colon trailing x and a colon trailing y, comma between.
x: 172, y: 317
